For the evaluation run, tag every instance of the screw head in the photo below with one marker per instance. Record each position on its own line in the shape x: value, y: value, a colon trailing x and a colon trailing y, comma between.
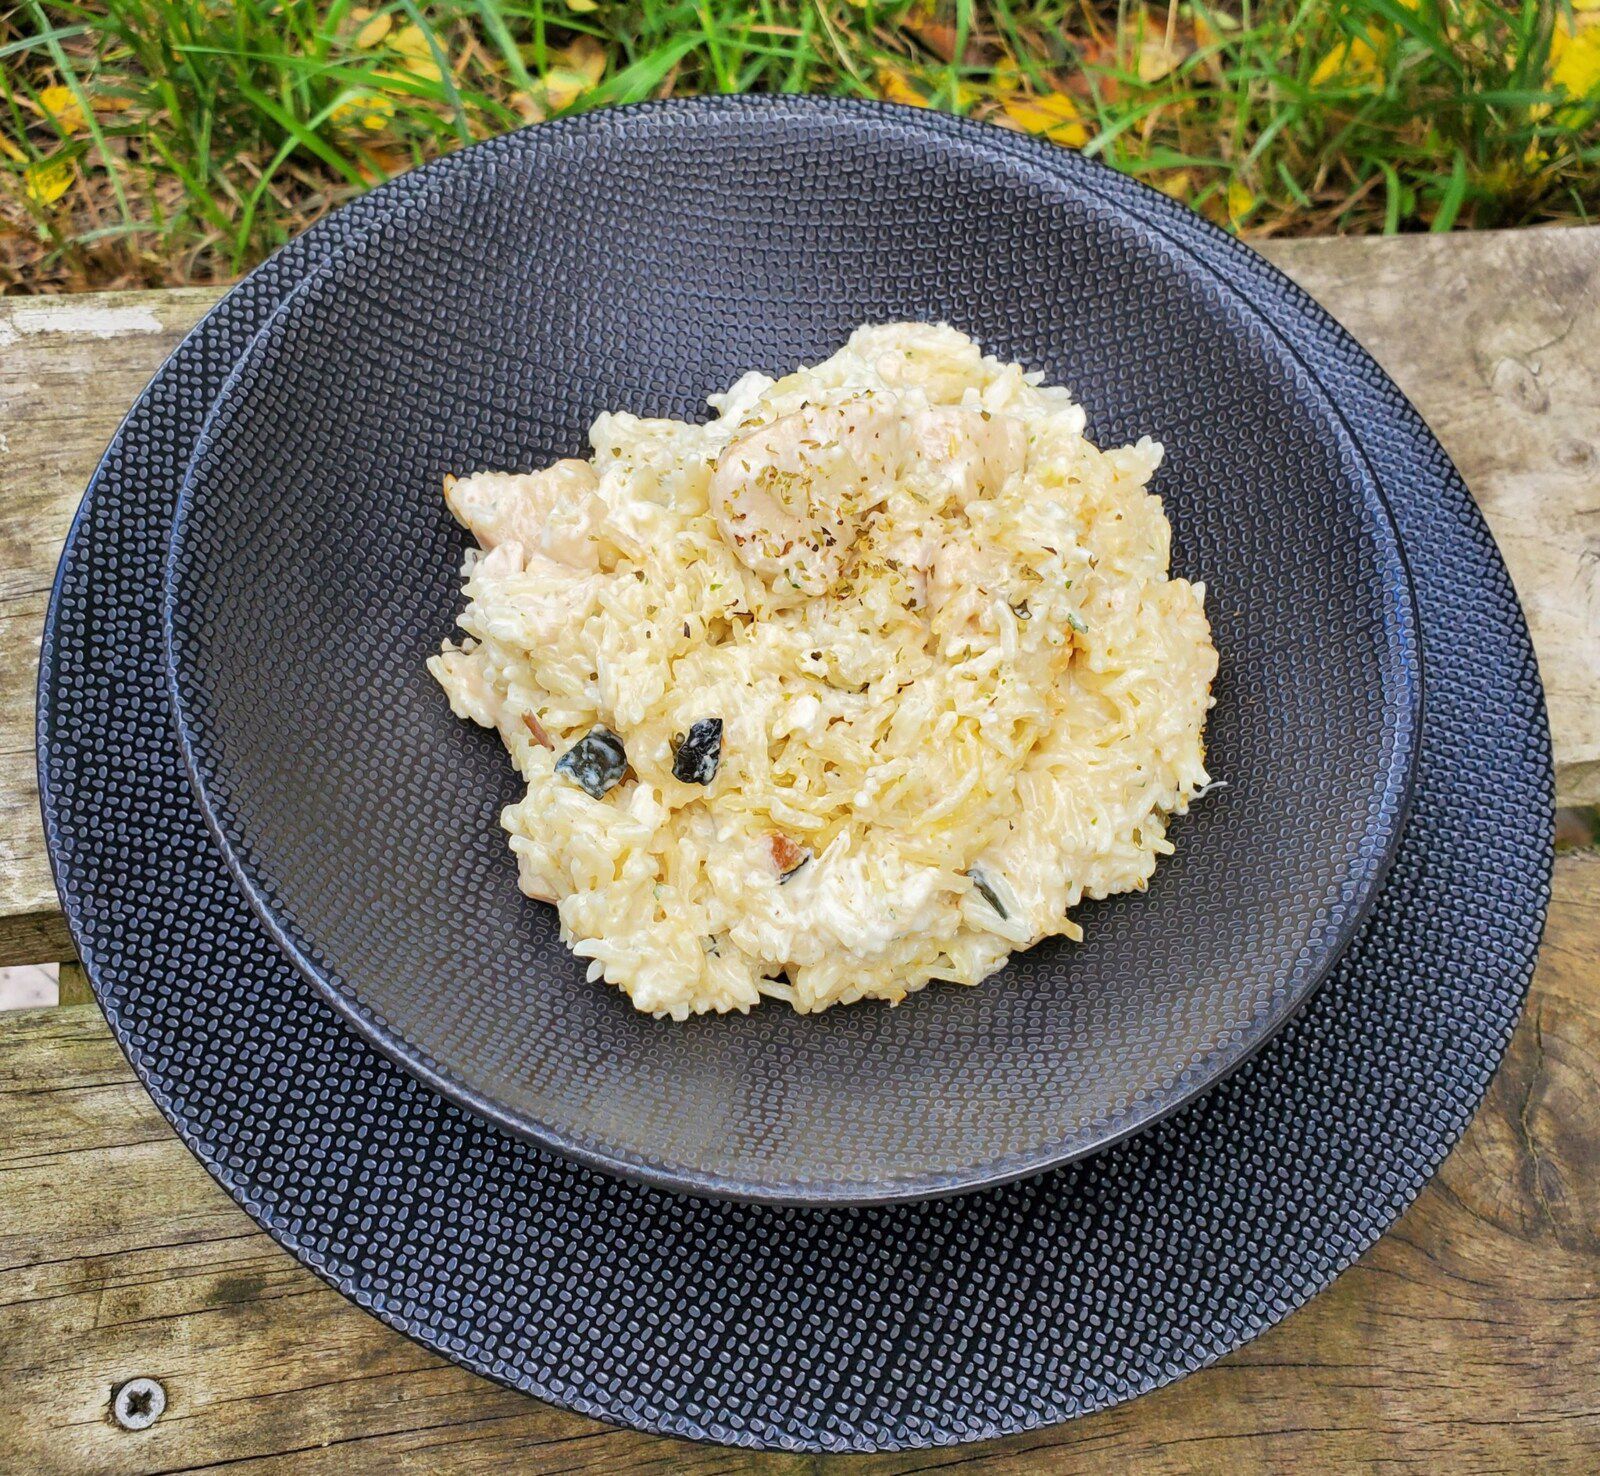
x: 138, y: 1404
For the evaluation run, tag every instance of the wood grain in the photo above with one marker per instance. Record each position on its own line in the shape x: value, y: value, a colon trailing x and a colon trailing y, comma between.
x: 1494, y: 337
x: 69, y: 369
x: 1466, y: 1340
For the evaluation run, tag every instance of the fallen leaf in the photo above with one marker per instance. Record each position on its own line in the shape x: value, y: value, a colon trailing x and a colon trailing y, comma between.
x: 563, y: 87
x: 1577, y: 63
x: 10, y: 150
x: 938, y: 36
x: 895, y: 86
x: 1208, y: 39
x: 370, y: 28
x: 372, y: 110
x: 577, y: 68
x: 1352, y: 60
x: 1177, y: 183
x: 1054, y: 116
x: 411, y: 45
x: 529, y: 108
x: 384, y: 164
x: 60, y: 105
x: 1241, y: 201
x: 582, y: 7
x: 586, y: 57
x: 48, y: 180
x: 1161, y: 47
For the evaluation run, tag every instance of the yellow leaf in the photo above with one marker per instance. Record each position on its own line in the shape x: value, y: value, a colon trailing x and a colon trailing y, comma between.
x: 1241, y: 200
x: 1177, y: 183
x: 1350, y: 61
x: 1007, y: 77
x: 895, y: 86
x: 577, y: 68
x: 586, y: 57
x: 370, y: 28
x: 1577, y: 66
x: 372, y: 110
x: 582, y: 7
x: 528, y: 108
x: 413, y: 47
x: 10, y: 150
x: 48, y: 180
x: 60, y: 106
x: 563, y: 87
x: 1054, y: 116
x: 1158, y: 56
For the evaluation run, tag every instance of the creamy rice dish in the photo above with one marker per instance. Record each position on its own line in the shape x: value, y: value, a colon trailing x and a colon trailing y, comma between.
x: 866, y: 682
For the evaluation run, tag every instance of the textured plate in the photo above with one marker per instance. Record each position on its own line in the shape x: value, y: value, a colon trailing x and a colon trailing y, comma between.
x: 641, y: 261
x: 809, y: 1330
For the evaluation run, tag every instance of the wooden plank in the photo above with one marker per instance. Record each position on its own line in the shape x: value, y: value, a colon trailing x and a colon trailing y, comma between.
x: 72, y: 985
x: 1466, y: 1339
x: 69, y: 369
x: 1491, y: 335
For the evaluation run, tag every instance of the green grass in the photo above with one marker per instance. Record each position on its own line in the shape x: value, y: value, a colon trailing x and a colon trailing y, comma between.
x: 149, y: 141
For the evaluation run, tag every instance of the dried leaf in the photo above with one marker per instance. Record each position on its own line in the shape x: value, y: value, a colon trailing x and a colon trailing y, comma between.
x: 938, y: 36
x: 582, y: 7
x: 1208, y: 38
x: 577, y: 68
x: 563, y: 87
x: 372, y: 110
x: 1178, y: 183
x: 1576, y: 60
x: 370, y: 28
x: 410, y: 43
x: 529, y: 108
x: 60, y: 105
x: 586, y: 57
x: 1352, y: 60
x: 48, y: 180
x: 10, y: 150
x: 1161, y: 47
x: 895, y: 86
x: 1241, y: 201
x: 1054, y: 116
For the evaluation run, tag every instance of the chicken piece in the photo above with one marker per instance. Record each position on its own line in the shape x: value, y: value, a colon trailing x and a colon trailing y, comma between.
x: 966, y: 453
x: 553, y: 512
x: 789, y: 497
x: 962, y: 586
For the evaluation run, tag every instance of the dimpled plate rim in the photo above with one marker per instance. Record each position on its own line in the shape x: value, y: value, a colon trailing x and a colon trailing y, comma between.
x: 1415, y: 1131
x: 1380, y: 845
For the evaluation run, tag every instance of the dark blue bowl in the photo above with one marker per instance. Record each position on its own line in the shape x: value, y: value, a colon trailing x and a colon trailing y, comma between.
x: 641, y: 259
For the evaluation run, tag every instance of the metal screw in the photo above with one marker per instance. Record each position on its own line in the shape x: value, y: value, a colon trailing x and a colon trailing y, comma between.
x: 137, y: 1404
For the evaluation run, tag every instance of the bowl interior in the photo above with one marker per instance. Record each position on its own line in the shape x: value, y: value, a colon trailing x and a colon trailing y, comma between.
x: 641, y: 260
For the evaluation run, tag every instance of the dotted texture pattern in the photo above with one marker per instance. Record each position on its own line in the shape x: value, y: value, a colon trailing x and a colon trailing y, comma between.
x: 485, y: 325
x: 854, y: 1328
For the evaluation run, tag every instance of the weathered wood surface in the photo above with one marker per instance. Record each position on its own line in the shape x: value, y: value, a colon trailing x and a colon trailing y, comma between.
x: 1492, y: 335
x: 1467, y: 1340
x: 69, y: 369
